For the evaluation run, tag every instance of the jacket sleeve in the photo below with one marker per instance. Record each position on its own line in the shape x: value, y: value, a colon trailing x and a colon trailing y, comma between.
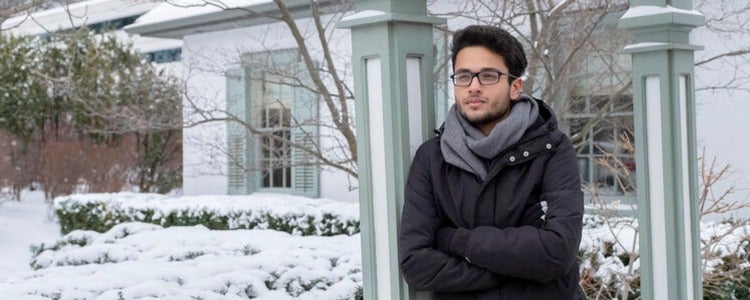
x: 423, y: 266
x: 539, y: 254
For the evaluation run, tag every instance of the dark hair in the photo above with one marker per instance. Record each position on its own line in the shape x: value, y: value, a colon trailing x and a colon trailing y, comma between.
x: 496, y: 40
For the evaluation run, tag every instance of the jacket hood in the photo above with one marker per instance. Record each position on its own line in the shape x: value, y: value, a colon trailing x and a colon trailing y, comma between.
x: 545, y: 122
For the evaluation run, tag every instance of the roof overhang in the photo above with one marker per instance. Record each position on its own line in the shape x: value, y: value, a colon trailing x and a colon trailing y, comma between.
x: 204, y: 19
x: 75, y: 15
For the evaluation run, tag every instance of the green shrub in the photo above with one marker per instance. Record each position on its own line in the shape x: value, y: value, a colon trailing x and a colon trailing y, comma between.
x: 102, y: 213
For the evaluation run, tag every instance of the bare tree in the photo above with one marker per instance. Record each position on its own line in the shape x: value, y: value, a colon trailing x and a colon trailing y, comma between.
x: 558, y: 43
x: 715, y: 200
x: 722, y: 255
x: 622, y: 241
x: 319, y: 70
x: 730, y: 22
x: 572, y: 48
x: 10, y: 8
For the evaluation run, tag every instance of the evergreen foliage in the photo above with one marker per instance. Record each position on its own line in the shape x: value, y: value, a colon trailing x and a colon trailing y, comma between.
x: 103, y: 214
x: 85, y: 90
x: 23, y: 95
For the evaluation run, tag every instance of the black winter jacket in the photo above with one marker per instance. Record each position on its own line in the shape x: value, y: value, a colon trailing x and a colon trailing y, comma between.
x: 466, y: 239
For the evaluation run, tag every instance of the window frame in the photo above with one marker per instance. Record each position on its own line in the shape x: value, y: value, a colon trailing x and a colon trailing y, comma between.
x: 599, y: 147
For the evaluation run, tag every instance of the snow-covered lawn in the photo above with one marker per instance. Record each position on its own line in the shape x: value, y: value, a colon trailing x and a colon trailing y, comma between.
x: 136, y: 260
x: 146, y: 261
x: 22, y: 224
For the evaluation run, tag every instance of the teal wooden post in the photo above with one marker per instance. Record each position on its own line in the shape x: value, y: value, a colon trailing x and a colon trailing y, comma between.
x: 664, y: 109
x: 393, y: 59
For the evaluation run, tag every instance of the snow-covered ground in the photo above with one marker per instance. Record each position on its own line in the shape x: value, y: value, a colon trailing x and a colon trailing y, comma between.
x: 145, y: 261
x: 22, y: 224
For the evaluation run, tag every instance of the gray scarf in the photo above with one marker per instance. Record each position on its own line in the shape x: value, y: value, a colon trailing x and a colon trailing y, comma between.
x: 464, y: 146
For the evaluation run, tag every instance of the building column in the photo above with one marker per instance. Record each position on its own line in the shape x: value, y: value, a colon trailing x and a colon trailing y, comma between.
x: 666, y: 158
x: 393, y: 59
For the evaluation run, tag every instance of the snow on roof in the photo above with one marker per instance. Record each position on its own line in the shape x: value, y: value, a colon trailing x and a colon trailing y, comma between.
x: 176, y: 18
x: 644, y: 45
x: 650, y: 10
x: 362, y: 14
x: 180, y: 9
x: 74, y: 15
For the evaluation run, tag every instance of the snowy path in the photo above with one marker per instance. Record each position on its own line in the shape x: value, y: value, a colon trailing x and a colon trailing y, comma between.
x: 23, y: 223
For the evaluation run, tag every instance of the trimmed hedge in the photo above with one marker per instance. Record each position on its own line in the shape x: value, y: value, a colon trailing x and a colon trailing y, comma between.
x: 141, y: 260
x: 297, y: 215
x: 605, y: 264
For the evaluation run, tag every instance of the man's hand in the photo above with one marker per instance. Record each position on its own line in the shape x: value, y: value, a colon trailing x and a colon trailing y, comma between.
x: 533, y: 216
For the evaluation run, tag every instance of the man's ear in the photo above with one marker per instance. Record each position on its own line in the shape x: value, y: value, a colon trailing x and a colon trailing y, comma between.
x: 516, y: 87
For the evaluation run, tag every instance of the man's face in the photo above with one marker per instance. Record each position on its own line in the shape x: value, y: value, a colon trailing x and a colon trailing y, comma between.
x: 484, y: 105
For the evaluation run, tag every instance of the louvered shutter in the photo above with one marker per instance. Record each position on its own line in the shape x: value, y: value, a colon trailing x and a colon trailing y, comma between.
x: 239, y: 156
x: 305, y: 168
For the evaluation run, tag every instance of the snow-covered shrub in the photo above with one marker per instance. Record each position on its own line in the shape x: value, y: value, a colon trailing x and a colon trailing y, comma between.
x: 726, y: 259
x: 5, y: 194
x: 610, y: 265
x: 295, y: 215
x: 289, y: 267
x: 140, y: 260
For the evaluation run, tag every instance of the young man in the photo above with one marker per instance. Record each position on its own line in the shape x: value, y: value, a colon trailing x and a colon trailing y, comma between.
x: 473, y: 226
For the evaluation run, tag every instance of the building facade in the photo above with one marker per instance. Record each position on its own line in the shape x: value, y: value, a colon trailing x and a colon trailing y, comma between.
x: 247, y: 69
x: 253, y: 108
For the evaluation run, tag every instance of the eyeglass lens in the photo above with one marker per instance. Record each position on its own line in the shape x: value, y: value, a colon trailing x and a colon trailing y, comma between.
x: 484, y: 77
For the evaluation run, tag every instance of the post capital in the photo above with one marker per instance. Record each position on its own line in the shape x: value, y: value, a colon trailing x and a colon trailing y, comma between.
x: 651, y: 16
x: 658, y: 26
x: 372, y: 17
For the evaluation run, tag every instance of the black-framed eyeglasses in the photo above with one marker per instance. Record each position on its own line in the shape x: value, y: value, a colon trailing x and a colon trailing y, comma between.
x: 485, y: 77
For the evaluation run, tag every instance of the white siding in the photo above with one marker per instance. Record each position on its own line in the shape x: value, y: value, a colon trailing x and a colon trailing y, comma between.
x: 205, y: 165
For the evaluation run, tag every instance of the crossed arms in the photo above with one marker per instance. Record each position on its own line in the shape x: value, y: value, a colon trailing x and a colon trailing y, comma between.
x: 460, y: 259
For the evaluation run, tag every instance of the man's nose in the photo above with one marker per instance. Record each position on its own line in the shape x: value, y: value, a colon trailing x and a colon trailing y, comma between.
x: 474, y: 85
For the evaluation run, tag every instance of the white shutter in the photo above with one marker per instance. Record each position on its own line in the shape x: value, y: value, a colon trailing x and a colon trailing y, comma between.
x: 237, y: 137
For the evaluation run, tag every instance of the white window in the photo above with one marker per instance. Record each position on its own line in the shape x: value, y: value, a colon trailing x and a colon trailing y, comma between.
x: 271, y: 155
x: 275, y: 150
x: 605, y: 156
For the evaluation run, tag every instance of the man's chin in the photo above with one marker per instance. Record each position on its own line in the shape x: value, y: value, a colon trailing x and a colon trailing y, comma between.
x: 475, y: 118
x: 478, y: 119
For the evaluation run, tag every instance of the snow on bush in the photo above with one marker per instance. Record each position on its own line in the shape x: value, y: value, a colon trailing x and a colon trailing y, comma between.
x: 610, y: 264
x: 291, y: 214
x: 140, y: 260
x: 155, y: 261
